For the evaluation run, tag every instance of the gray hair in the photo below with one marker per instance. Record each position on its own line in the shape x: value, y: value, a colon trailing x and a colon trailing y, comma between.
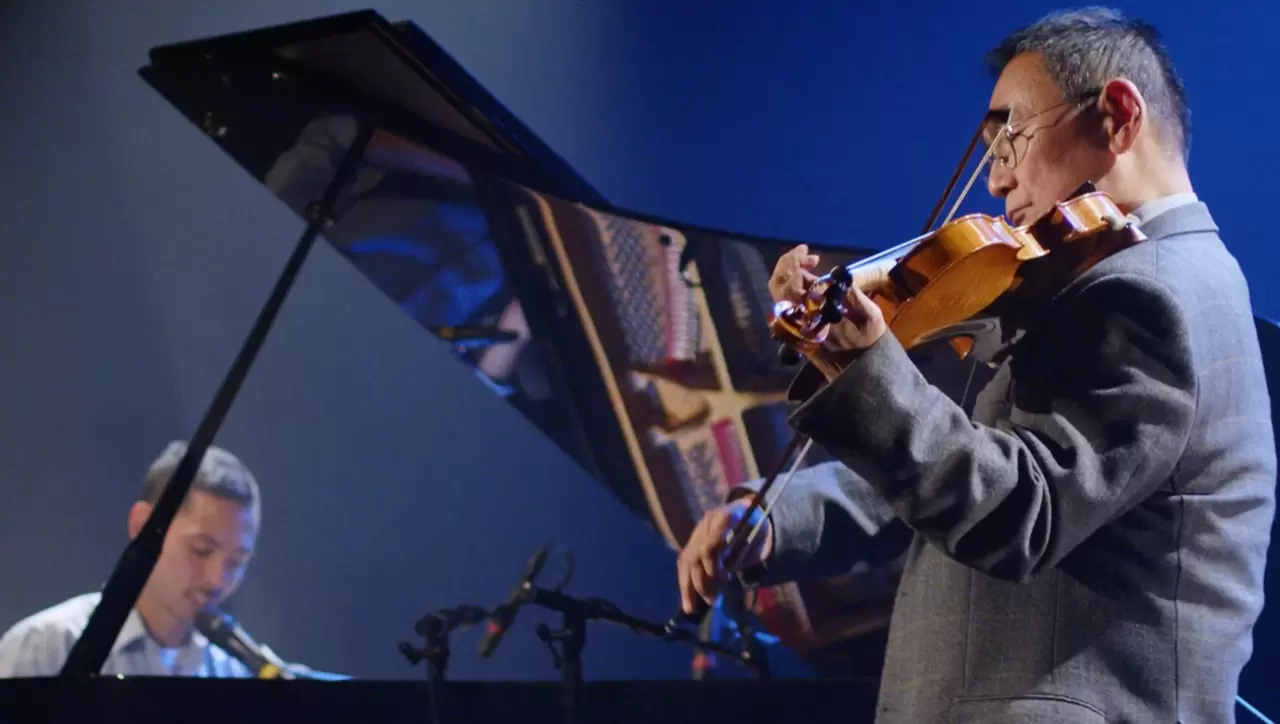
x: 1084, y: 49
x: 221, y: 474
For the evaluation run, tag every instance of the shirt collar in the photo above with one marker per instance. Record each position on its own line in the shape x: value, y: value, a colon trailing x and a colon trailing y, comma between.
x: 1150, y: 210
x: 131, y: 633
x: 134, y: 635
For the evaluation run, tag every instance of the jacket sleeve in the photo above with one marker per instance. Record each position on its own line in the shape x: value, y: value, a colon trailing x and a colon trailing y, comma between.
x: 1105, y: 394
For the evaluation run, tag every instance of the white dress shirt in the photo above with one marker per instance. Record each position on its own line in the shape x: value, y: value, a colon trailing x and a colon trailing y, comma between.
x: 39, y: 645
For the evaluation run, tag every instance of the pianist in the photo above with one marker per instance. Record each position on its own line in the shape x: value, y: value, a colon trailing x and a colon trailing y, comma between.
x: 203, y: 560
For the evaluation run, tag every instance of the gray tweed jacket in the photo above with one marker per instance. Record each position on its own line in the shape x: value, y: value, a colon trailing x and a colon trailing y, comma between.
x: 1089, y: 545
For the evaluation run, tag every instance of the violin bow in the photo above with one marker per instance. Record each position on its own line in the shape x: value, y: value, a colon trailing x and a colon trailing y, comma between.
x: 735, y: 545
x: 734, y: 552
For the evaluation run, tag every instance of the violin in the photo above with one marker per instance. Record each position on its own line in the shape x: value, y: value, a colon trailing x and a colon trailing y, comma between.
x: 949, y: 283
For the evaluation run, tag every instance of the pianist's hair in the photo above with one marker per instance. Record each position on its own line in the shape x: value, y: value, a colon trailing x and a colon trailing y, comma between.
x: 221, y: 474
x: 1084, y: 49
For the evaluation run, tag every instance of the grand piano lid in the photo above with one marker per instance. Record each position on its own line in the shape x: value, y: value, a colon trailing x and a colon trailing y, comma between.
x: 358, y: 60
x: 470, y: 221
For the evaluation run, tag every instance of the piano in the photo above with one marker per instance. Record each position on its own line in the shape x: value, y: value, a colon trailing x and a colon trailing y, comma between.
x: 255, y: 701
x: 637, y: 344
x: 364, y: 126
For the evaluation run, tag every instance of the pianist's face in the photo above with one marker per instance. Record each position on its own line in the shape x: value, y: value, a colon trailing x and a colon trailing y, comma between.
x: 204, y: 558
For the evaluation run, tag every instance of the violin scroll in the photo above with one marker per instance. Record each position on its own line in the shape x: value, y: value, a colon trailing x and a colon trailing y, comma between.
x: 823, y: 306
x: 804, y: 326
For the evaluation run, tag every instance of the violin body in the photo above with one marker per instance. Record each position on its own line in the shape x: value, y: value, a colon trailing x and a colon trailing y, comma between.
x: 959, y: 273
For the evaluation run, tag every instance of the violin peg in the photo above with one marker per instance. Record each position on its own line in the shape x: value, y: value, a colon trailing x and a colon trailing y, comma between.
x: 840, y: 275
x: 832, y: 311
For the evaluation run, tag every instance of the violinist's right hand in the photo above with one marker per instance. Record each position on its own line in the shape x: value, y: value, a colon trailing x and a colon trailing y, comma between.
x: 700, y: 564
x: 792, y: 275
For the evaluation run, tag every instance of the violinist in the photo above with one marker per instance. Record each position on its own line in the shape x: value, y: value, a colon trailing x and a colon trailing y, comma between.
x: 1088, y: 544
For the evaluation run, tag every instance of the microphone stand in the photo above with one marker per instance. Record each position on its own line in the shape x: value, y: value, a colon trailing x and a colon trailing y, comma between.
x: 704, y: 662
x: 575, y: 613
x: 435, y: 628
x: 734, y: 602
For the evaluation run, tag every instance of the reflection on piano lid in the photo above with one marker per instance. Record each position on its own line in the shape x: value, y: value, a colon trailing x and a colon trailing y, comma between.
x: 247, y: 701
x: 355, y: 59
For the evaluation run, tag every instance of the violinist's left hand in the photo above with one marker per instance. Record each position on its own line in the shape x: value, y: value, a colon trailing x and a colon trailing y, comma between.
x: 862, y: 326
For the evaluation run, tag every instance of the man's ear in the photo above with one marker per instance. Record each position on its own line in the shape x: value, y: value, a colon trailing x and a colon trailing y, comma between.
x: 138, y: 515
x: 1124, y: 113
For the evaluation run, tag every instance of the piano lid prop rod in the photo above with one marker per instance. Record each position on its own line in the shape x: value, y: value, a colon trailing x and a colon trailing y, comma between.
x: 136, y: 564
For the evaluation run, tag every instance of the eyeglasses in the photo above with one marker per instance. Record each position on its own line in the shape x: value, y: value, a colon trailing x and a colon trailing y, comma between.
x: 1007, y: 145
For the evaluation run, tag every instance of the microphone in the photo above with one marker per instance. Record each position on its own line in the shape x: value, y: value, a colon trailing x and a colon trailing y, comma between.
x: 223, y: 631
x: 505, y: 615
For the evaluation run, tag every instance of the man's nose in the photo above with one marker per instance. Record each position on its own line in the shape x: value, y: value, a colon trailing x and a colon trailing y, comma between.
x: 1000, y: 180
x: 215, y: 574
